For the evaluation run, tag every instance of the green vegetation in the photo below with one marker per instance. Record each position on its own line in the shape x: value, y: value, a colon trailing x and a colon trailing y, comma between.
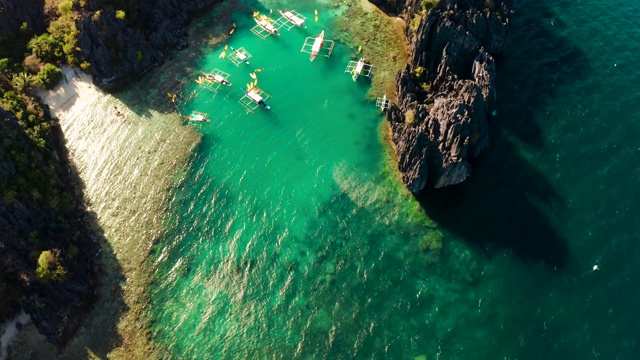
x: 86, y: 67
x: 429, y: 4
x: 415, y: 21
x: 49, y: 267
x: 418, y: 71
x: 49, y: 76
x: 425, y: 87
x: 409, y: 116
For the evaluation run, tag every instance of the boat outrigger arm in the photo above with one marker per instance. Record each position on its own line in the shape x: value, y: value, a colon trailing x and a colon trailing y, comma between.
x: 291, y: 18
x: 254, y: 98
x: 358, y: 68
x: 265, y: 27
x: 239, y: 55
x: 317, y: 46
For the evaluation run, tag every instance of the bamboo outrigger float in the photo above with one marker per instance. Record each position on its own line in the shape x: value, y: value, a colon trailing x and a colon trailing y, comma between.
x: 317, y: 46
x: 254, y: 98
x: 214, y: 80
x: 291, y: 18
x: 360, y: 67
x: 265, y: 26
x: 239, y: 55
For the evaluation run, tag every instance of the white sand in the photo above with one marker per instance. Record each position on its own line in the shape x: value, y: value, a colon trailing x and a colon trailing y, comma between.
x: 9, y: 333
x: 75, y: 90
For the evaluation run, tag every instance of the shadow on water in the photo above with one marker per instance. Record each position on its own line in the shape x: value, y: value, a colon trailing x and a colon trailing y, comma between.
x: 98, y: 331
x: 507, y: 202
x: 539, y: 64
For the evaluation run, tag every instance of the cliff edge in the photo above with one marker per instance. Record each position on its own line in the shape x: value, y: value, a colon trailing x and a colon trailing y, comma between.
x: 448, y: 91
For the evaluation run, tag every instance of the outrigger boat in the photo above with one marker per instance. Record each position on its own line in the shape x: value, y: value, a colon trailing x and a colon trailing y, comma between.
x: 383, y: 103
x: 239, y: 55
x: 214, y: 79
x: 315, y: 46
x: 253, y: 98
x: 359, y: 68
x: 196, y: 118
x: 293, y: 17
x: 264, y: 26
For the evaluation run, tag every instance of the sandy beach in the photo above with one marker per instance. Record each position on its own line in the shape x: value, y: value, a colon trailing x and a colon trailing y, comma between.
x: 9, y: 331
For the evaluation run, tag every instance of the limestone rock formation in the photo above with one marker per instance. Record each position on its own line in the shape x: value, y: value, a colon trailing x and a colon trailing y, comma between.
x: 448, y: 91
x: 120, y: 50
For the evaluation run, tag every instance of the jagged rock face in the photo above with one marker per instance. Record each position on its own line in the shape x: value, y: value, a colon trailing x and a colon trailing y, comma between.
x: 14, y: 12
x: 119, y: 52
x: 446, y: 94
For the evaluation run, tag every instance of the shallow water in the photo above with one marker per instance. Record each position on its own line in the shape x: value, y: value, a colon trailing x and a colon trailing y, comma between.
x: 287, y: 239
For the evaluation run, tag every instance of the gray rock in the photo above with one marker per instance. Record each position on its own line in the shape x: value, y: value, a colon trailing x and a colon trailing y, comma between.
x: 435, y: 135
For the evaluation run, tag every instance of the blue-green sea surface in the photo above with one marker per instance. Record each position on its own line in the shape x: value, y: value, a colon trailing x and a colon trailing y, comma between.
x: 286, y: 239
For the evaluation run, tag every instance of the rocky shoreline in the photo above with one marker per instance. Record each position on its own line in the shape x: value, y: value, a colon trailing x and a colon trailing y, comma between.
x: 120, y: 50
x: 447, y: 93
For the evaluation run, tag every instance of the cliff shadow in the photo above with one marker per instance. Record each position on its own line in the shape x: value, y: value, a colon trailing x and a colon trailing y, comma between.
x: 97, y: 333
x: 507, y: 203
x: 540, y: 63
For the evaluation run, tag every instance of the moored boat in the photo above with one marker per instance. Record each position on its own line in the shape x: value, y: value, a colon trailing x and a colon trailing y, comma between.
x: 255, y: 97
x: 317, y: 45
x: 268, y: 26
x: 293, y: 18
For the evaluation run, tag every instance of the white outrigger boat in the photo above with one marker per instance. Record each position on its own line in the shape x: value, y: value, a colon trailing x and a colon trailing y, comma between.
x: 254, y: 98
x: 239, y: 55
x: 360, y: 67
x: 383, y: 103
x: 293, y: 18
x: 214, y: 79
x: 196, y: 118
x: 265, y: 26
x: 315, y: 46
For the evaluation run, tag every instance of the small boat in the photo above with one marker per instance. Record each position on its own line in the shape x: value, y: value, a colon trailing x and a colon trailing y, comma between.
x: 292, y: 17
x: 268, y: 26
x: 217, y: 78
x: 358, y: 69
x: 254, y: 96
x: 317, y: 45
x: 197, y: 116
x: 240, y: 55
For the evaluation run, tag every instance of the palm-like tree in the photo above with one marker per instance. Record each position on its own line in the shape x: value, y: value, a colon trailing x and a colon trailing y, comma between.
x: 22, y: 81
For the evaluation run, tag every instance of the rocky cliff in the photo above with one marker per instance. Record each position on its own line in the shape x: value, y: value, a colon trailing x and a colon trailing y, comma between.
x: 121, y: 48
x: 448, y: 91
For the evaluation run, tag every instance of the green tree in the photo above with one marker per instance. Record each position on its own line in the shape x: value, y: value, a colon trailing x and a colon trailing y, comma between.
x: 49, y: 267
x: 46, y: 47
x: 22, y: 81
x: 50, y: 76
x: 5, y: 66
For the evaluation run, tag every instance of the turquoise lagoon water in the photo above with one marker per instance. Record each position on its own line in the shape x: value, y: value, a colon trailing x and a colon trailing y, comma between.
x: 287, y: 240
